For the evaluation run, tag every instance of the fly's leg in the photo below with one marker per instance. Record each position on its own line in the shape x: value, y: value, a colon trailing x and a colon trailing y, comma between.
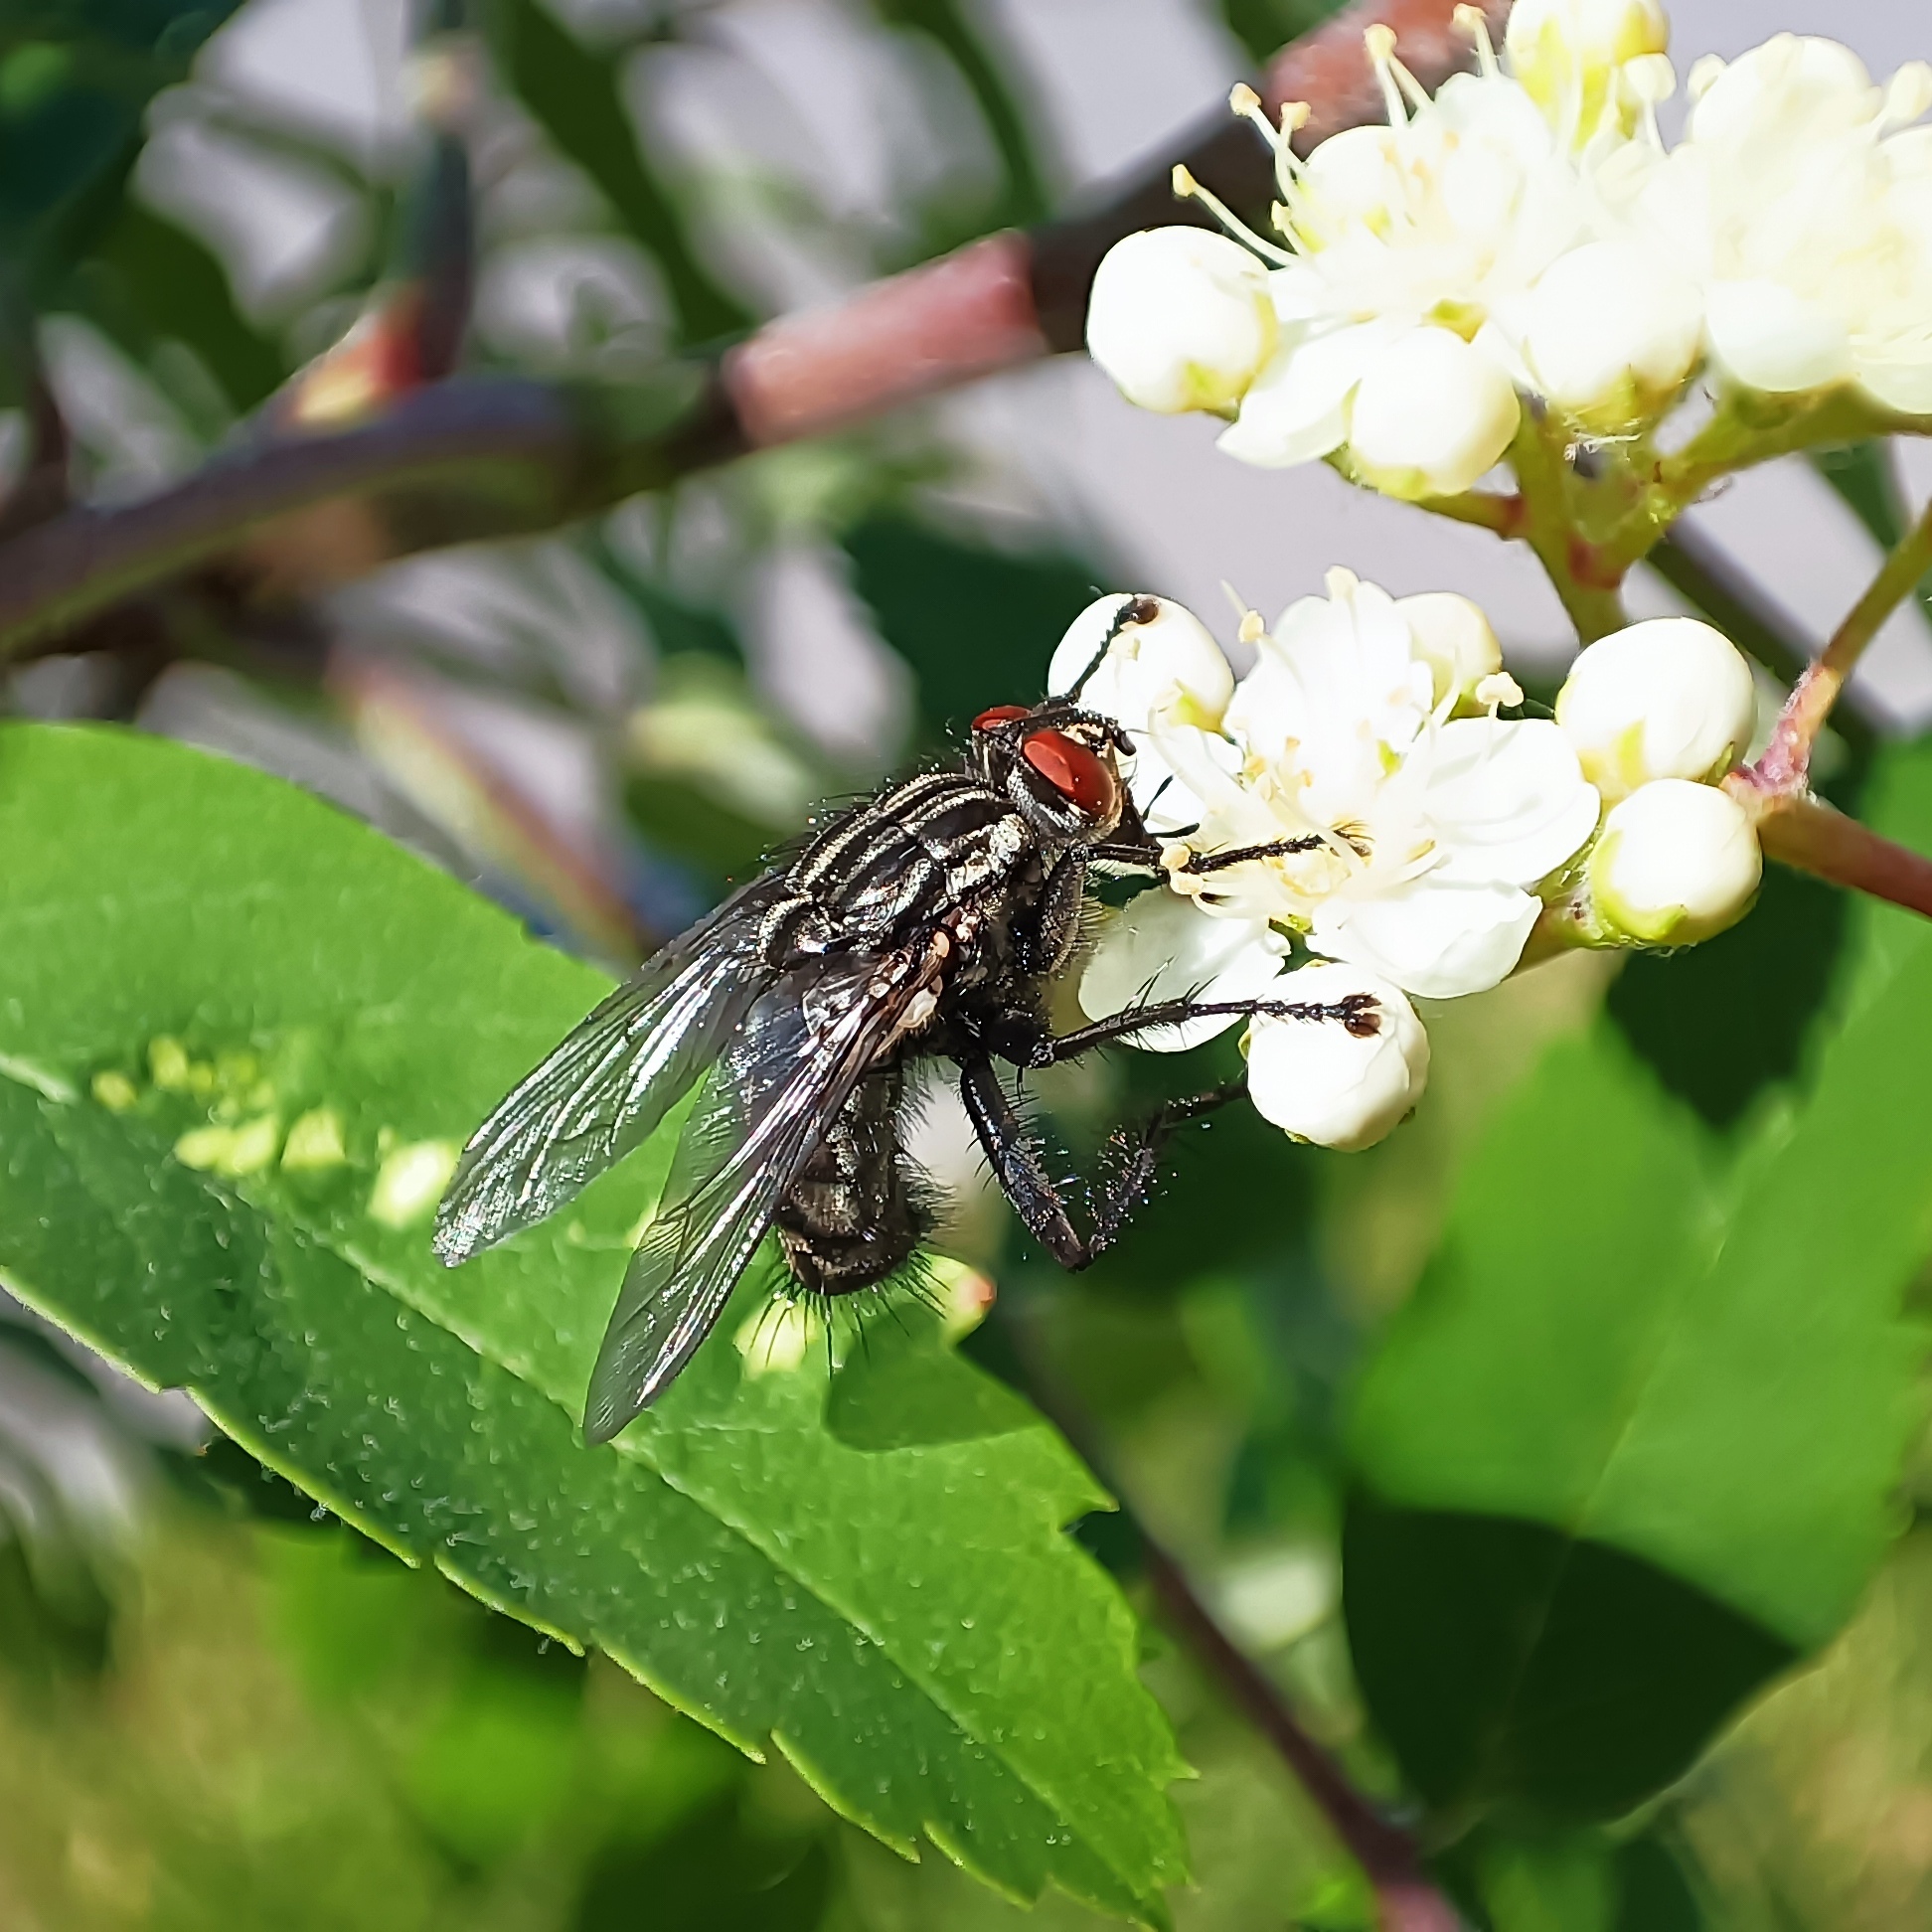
x: 1360, y: 1013
x: 1023, y: 1176
x: 1135, y: 1158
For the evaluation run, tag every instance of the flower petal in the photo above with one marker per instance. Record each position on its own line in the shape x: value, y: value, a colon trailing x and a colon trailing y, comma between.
x: 1297, y: 407
x: 1507, y: 800
x: 1768, y: 336
x: 1438, y: 940
x: 1161, y: 946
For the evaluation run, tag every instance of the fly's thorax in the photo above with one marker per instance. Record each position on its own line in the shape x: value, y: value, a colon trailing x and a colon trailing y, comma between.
x: 906, y: 857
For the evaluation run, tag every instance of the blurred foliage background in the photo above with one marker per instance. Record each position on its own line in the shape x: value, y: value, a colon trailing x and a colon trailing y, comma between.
x: 220, y: 1709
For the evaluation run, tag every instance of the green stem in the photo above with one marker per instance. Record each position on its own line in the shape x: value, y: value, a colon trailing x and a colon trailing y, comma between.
x: 1787, y: 758
x: 1591, y: 590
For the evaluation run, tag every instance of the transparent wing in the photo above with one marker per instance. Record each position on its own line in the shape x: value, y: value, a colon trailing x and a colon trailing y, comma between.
x: 804, y: 1046
x: 611, y: 1082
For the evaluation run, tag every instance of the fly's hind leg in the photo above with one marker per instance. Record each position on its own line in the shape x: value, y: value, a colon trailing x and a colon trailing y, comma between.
x: 1015, y: 1156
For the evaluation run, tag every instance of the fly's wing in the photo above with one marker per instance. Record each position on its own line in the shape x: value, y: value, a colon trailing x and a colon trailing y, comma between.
x: 767, y: 1102
x: 609, y: 1083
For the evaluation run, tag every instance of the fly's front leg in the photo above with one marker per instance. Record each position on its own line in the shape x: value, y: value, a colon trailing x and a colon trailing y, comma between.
x: 1017, y: 1165
x: 1360, y: 1013
x: 1024, y: 1178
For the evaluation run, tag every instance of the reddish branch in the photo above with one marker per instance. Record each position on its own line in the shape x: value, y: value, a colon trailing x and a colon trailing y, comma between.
x: 470, y: 458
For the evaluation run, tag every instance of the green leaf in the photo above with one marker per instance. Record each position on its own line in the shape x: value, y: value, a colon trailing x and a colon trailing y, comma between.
x: 1024, y: 200
x: 242, y: 1036
x: 76, y: 78
x: 575, y: 97
x: 1622, y: 1349
x: 976, y: 624
x: 149, y: 280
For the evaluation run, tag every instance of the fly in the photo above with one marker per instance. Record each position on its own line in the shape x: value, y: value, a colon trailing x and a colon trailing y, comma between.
x: 928, y: 922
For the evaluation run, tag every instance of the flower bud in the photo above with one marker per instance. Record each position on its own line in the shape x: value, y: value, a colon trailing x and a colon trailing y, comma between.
x: 1611, y: 332
x: 1337, y: 1081
x: 1675, y: 863
x: 1454, y: 639
x: 1181, y: 318
x: 1668, y: 699
x: 1164, y: 662
x: 1431, y: 416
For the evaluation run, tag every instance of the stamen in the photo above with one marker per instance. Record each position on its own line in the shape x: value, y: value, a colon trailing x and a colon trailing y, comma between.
x: 1379, y: 40
x: 1497, y: 690
x: 1187, y: 188
x: 1475, y: 23
x: 1252, y: 630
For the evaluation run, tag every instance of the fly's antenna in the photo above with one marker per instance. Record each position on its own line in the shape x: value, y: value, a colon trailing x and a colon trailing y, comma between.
x: 1136, y: 611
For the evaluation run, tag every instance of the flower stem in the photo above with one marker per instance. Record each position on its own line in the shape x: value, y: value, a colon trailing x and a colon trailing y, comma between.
x: 1589, y: 582
x: 1486, y: 509
x: 1811, y: 836
x: 1786, y: 763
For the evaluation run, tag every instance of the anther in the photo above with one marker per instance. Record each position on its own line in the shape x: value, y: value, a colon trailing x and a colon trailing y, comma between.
x: 1187, y: 188
x: 1475, y: 23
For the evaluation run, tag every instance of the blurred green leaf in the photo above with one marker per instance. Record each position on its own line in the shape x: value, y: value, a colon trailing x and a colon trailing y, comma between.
x: 1621, y: 1354
x: 147, y: 280
x: 575, y: 96
x: 1024, y: 200
x: 1719, y: 1023
x: 208, y: 966
x: 76, y: 78
x: 974, y: 623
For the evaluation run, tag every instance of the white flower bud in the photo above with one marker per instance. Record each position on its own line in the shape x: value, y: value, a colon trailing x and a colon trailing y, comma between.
x: 1322, y: 1080
x: 1454, y: 639
x: 1181, y: 318
x: 1668, y: 699
x: 1675, y: 863
x: 1610, y: 333
x: 1167, y: 664
x: 1431, y: 416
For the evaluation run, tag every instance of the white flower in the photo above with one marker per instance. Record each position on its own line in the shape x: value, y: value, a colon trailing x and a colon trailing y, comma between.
x: 1571, y: 56
x: 1406, y: 842
x: 1805, y: 216
x: 1610, y: 333
x: 1452, y: 636
x: 1677, y: 863
x: 1341, y: 1083
x: 1158, y: 947
x: 1668, y: 699
x: 1431, y: 416
x: 1181, y: 319
x: 1161, y: 662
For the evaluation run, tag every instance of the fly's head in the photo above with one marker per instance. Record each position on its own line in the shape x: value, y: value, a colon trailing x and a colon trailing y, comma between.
x: 1059, y: 764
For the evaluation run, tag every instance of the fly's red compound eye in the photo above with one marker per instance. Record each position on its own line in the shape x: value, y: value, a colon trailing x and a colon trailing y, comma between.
x: 1077, y: 774
x: 991, y: 721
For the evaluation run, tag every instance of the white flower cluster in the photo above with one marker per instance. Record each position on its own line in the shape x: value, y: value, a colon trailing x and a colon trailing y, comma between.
x: 1354, y: 821
x: 1525, y: 230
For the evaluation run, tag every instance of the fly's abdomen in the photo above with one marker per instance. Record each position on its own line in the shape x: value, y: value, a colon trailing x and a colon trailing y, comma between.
x: 856, y: 1213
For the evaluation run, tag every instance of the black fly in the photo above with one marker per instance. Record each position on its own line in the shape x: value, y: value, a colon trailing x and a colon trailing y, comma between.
x: 928, y: 921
